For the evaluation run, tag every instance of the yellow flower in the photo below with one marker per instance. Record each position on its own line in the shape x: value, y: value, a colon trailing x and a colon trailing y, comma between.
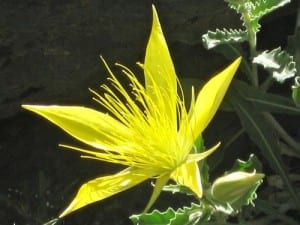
x: 149, y: 129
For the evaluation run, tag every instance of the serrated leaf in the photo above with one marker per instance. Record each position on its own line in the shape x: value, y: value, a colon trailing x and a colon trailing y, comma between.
x: 260, y: 131
x: 263, y: 7
x: 183, y: 216
x: 278, y: 62
x: 154, y: 218
x: 235, y: 4
x: 225, y: 36
x: 254, y: 10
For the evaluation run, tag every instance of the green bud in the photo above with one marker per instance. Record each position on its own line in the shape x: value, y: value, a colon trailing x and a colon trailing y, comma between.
x: 233, y: 186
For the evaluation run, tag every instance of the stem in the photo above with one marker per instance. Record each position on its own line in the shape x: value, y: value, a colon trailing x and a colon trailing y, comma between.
x: 267, y: 83
x: 253, y: 53
x: 252, y: 44
x: 245, y: 63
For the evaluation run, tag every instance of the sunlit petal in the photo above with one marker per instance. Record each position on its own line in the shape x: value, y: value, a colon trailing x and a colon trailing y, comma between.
x: 159, y: 184
x: 104, y: 187
x: 188, y: 175
x: 210, y: 97
x: 199, y: 156
x: 160, y: 76
x: 94, y: 128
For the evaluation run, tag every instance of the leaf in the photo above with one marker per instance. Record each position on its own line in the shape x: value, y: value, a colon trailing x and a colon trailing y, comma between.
x: 264, y: 101
x: 254, y: 10
x: 213, y: 38
x: 154, y: 218
x: 263, y: 7
x: 260, y: 131
x: 250, y: 165
x: 278, y: 62
x: 183, y: 216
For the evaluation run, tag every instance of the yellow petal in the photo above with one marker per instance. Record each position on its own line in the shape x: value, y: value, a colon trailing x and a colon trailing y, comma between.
x: 188, y: 175
x: 160, y: 76
x: 199, y: 156
x: 104, y: 187
x: 87, y: 125
x: 159, y: 184
x: 210, y: 97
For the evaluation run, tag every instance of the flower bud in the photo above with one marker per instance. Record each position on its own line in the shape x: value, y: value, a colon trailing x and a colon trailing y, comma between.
x: 231, y: 187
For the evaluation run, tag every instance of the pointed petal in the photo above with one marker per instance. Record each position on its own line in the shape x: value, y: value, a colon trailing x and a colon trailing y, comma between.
x: 87, y: 125
x: 159, y: 184
x: 199, y: 156
x: 104, y: 187
x: 160, y: 76
x: 210, y: 97
x: 188, y: 175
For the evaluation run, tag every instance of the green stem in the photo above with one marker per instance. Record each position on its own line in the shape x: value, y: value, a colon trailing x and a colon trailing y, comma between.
x: 267, y: 83
x: 245, y: 63
x: 252, y: 44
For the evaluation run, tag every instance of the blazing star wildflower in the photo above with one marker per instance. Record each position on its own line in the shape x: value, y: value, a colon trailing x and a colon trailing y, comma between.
x: 147, y: 129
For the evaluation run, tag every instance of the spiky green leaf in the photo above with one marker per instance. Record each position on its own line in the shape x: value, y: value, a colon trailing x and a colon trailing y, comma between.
x: 183, y: 216
x: 253, y: 10
x: 224, y: 36
x: 278, y: 62
x: 263, y: 7
x: 154, y: 218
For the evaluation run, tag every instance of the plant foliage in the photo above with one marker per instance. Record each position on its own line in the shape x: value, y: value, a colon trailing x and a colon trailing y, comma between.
x: 278, y: 62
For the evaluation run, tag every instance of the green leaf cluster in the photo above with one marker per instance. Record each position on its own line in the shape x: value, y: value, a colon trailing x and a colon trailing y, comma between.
x: 277, y: 62
x: 250, y: 99
x: 213, y: 38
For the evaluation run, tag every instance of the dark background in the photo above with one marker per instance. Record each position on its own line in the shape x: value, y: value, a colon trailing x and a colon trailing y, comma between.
x: 49, y: 54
